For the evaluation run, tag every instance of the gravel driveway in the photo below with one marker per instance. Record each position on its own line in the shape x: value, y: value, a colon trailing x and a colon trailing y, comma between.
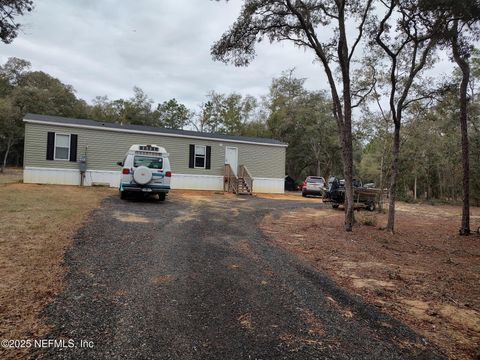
x: 194, y: 278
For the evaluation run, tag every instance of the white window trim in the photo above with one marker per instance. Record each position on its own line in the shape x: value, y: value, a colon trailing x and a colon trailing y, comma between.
x: 55, y: 147
x: 204, y: 157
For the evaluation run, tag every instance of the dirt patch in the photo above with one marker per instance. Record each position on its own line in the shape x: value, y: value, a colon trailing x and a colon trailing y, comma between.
x: 296, y: 343
x: 371, y: 283
x: 163, y: 279
x: 294, y: 196
x: 425, y: 275
x: 315, y: 326
x: 245, y: 321
x: 244, y: 247
x: 38, y: 222
x: 130, y: 217
x: 201, y: 196
x: 186, y: 216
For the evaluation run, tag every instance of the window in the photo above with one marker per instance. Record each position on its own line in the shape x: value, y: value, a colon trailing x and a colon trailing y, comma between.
x: 148, y: 161
x: 62, y: 147
x: 312, y: 179
x: 200, y: 156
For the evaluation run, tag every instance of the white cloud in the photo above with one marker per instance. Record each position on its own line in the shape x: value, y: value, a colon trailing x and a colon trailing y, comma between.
x: 107, y: 47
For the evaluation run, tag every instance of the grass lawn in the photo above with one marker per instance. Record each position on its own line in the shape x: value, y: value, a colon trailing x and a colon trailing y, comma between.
x: 11, y: 175
x: 37, y: 224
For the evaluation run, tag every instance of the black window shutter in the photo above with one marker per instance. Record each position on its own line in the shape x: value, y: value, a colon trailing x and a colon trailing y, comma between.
x: 73, y: 147
x: 208, y: 157
x: 191, y: 162
x: 50, y: 145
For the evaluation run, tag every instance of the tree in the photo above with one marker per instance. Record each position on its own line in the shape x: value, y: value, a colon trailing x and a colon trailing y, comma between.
x: 474, y: 120
x: 460, y: 20
x: 375, y: 132
x: 24, y: 91
x: 299, y: 22
x: 304, y: 120
x: 237, y: 112
x: 13, y: 70
x: 407, y: 53
x: 135, y: 110
x: 9, y: 11
x: 171, y: 114
x: 40, y: 93
x: 226, y: 113
x: 102, y: 109
x: 210, y: 116
x: 138, y: 109
x: 11, y: 129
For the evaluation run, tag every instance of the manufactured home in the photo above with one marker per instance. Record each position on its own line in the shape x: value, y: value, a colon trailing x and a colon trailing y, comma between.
x: 68, y: 151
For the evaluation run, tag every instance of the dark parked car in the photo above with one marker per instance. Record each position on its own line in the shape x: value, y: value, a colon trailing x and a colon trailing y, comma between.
x: 363, y: 196
x: 290, y: 184
x: 313, y: 185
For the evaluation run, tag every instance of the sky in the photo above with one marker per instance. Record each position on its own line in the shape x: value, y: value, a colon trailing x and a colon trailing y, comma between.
x: 106, y: 47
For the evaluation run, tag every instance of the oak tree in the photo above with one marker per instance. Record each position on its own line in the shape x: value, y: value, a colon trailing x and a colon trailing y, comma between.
x: 305, y: 23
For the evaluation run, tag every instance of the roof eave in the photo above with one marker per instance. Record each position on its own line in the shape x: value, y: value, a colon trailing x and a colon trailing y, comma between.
x: 44, y: 122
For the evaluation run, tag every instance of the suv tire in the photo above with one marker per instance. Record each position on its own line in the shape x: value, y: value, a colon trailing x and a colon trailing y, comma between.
x: 123, y: 195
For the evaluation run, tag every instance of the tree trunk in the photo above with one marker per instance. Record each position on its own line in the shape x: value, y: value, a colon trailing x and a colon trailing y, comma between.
x: 348, y: 173
x: 382, y: 164
x: 393, y: 177
x: 415, y: 188
x: 440, y: 185
x: 465, y: 68
x: 4, y: 164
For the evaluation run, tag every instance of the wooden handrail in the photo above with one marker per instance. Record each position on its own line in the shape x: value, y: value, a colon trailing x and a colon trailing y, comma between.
x: 245, y: 174
x: 230, y: 183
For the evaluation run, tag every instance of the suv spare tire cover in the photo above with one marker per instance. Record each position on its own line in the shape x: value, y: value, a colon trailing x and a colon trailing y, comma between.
x: 142, y: 175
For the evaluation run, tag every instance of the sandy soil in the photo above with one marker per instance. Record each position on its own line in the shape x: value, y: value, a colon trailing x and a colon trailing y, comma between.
x: 425, y: 275
x: 37, y: 225
x: 290, y: 195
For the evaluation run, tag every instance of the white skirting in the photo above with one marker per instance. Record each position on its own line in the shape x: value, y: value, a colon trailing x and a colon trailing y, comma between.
x: 38, y: 175
x: 197, y: 182
x: 268, y: 185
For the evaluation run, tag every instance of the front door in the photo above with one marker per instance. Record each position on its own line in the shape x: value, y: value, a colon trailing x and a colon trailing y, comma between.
x: 231, y: 157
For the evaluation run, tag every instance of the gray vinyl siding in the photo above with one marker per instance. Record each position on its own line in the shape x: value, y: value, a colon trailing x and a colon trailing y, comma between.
x: 105, y: 148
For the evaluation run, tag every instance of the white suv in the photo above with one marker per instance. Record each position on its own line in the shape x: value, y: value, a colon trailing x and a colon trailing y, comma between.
x: 146, y: 169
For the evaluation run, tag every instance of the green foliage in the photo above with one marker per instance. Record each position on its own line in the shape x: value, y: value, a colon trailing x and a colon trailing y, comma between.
x: 226, y: 113
x: 305, y: 121
x: 171, y: 114
x: 23, y: 91
x: 139, y: 110
x: 9, y: 11
x: 11, y: 129
x: 430, y: 156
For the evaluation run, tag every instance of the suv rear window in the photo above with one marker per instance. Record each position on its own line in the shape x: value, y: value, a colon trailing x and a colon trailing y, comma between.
x: 148, y: 161
x: 315, y: 180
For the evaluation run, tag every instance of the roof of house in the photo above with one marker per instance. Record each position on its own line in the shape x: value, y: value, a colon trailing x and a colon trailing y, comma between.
x: 85, y: 123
